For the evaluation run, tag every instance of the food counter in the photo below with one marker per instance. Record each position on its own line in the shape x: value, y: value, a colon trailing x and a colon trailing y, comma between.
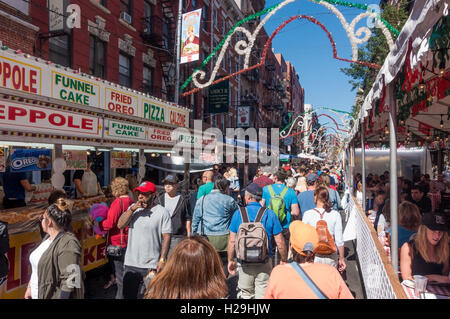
x: 25, y: 236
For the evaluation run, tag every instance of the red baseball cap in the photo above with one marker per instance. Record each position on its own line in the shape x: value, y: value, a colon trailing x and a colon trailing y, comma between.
x: 146, y: 187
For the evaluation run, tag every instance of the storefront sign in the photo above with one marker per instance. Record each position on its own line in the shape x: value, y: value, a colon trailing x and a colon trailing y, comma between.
x: 117, y: 101
x: 75, y: 159
x: 243, y: 116
x: 20, y: 73
x: 2, y: 159
x: 24, y: 160
x: 160, y: 135
x: 219, y: 97
x: 74, y: 89
x: 125, y: 130
x: 120, y: 160
x: 31, y: 118
x: 20, y: 76
x: 22, y: 244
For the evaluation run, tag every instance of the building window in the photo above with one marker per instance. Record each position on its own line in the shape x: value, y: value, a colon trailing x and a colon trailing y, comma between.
x: 125, y: 70
x: 166, y: 33
x: 194, y: 4
x: 22, y: 6
x: 148, y: 16
x: 60, y: 49
x: 147, y: 80
x: 205, y: 15
x: 97, y: 57
x: 125, y: 6
x: 230, y: 69
x: 224, y: 59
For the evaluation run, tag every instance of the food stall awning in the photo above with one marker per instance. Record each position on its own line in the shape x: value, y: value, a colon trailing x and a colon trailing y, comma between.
x: 411, y: 48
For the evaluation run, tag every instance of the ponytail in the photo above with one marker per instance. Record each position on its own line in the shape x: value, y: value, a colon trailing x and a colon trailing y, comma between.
x: 321, y: 193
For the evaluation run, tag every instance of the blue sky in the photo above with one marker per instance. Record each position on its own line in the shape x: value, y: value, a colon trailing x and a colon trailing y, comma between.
x: 307, y: 47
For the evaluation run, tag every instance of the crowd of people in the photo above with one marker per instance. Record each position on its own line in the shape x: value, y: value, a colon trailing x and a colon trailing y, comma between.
x: 423, y: 228
x: 279, y: 234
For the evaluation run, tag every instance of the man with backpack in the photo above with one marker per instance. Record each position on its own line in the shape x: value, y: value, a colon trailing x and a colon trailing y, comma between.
x: 283, y: 201
x: 251, y: 231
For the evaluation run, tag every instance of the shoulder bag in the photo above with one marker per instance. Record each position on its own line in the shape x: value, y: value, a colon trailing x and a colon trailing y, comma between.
x: 308, y: 281
x: 113, y: 250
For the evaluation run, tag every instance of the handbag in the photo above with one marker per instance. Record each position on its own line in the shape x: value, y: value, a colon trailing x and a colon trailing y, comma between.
x: 308, y: 281
x: 113, y: 250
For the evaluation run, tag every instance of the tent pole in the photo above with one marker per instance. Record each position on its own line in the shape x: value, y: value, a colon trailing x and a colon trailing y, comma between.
x: 363, y: 168
x: 393, y: 174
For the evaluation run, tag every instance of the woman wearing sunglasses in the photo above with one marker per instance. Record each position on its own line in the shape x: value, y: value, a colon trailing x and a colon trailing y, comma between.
x: 55, y: 263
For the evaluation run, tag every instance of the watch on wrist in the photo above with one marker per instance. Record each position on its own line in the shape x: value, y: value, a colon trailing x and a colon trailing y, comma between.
x: 162, y: 260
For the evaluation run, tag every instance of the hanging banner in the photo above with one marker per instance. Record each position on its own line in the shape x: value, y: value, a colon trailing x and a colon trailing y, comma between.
x: 30, y: 160
x: 243, y: 116
x: 190, y: 36
x: 37, y: 119
x: 2, y: 159
x: 120, y: 160
x: 126, y: 130
x: 75, y: 159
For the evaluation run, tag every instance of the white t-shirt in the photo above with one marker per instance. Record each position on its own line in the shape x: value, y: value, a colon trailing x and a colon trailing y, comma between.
x: 35, y: 256
x: 170, y: 203
x: 333, y: 219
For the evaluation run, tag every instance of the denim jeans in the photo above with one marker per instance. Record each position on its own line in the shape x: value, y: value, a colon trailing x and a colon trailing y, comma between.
x: 118, y: 267
x: 253, y: 279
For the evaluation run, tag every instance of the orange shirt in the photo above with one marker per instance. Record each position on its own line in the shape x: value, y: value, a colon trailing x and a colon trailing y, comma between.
x: 286, y: 283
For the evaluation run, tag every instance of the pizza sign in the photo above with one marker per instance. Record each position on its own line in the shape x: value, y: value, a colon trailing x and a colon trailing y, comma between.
x: 243, y: 116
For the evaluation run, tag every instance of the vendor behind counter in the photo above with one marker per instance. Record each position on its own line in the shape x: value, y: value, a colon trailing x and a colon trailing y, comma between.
x: 86, y: 182
x: 14, y: 186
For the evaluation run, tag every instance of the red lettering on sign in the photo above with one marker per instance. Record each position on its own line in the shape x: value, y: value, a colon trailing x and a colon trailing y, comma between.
x: 34, y: 114
x: 71, y: 124
x: 2, y: 111
x: 33, y: 81
x: 87, y: 124
x: 101, y: 251
x: 16, y: 77
x: 6, y: 72
x: 60, y: 122
x: 11, y: 283
x: 88, y: 256
x: 25, y: 273
x: 13, y: 111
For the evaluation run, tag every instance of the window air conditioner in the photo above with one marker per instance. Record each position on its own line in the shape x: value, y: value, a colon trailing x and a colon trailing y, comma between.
x: 126, y: 17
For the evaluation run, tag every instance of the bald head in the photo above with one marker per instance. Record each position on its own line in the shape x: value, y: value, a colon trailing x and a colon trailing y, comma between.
x: 208, y: 176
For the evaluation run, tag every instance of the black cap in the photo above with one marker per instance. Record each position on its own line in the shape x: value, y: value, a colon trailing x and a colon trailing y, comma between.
x: 170, y: 179
x: 254, y: 189
x: 435, y: 221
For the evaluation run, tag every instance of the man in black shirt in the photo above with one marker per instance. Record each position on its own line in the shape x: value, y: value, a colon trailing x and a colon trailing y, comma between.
x: 418, y: 197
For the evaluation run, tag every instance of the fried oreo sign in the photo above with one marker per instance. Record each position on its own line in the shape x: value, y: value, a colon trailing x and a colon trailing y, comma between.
x: 38, y: 119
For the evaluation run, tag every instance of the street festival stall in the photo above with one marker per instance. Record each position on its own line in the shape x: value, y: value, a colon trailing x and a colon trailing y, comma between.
x: 49, y: 117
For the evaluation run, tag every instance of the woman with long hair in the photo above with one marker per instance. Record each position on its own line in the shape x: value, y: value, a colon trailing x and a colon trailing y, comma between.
x: 428, y: 253
x: 324, y: 211
x: 193, y: 271
x: 117, y: 237
x: 55, y: 263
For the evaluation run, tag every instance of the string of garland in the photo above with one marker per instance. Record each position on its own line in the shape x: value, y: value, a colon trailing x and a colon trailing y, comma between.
x: 239, y: 23
x: 362, y: 7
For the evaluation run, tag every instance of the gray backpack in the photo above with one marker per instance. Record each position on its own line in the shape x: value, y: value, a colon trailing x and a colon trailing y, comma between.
x: 252, y: 244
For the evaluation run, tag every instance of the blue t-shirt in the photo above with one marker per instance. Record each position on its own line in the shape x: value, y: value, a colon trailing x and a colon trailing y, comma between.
x: 306, y: 201
x: 270, y: 222
x: 11, y: 184
x: 289, y: 199
x: 403, y: 235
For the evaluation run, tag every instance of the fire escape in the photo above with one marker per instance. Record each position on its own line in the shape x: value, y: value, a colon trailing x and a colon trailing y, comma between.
x: 159, y: 34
